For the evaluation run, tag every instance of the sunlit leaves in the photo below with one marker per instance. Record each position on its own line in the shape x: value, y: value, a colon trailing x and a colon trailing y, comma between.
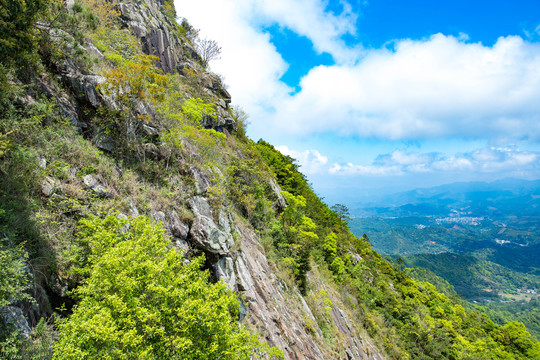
x: 141, y: 301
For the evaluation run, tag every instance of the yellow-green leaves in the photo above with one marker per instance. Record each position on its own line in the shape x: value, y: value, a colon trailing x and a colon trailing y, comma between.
x: 137, y: 80
x: 4, y: 143
x: 196, y: 109
x: 141, y: 301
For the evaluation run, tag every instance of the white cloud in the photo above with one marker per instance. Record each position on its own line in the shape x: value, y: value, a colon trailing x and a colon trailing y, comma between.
x: 310, y: 161
x: 308, y: 18
x: 249, y: 62
x: 435, y: 88
x: 370, y: 170
x: 509, y: 161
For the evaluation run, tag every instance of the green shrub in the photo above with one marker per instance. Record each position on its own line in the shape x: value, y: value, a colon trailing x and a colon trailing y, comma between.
x: 196, y: 109
x: 17, y: 26
x: 14, y: 281
x: 140, y: 301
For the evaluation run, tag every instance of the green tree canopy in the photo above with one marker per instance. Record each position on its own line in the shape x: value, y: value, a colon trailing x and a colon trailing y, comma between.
x: 17, y: 24
x: 141, y: 301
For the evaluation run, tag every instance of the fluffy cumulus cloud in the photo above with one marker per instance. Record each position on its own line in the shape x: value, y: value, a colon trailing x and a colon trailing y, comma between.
x: 249, y: 62
x: 309, y: 18
x: 413, y: 89
x: 310, y: 161
x: 439, y: 87
x: 508, y: 160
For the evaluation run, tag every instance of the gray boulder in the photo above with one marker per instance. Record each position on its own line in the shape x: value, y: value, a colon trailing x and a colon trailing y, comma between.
x: 177, y: 228
x: 207, y: 236
x: 280, y: 201
x: 200, y: 207
x: 48, y: 186
x: 97, y: 189
x: 14, y: 316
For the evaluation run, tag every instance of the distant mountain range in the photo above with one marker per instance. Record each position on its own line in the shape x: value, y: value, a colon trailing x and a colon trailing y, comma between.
x: 498, y: 198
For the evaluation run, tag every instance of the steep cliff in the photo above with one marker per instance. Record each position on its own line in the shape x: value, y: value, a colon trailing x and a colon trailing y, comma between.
x: 113, y: 113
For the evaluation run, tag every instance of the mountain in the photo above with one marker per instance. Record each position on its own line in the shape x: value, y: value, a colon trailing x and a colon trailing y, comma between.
x: 138, y: 221
x: 482, y: 238
x: 496, y: 198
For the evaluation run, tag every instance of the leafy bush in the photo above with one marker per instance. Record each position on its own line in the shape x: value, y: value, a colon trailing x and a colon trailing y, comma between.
x: 196, y: 109
x: 14, y: 281
x: 141, y: 300
x: 17, y: 26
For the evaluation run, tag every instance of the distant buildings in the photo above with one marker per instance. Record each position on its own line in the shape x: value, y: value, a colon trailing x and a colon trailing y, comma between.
x: 464, y: 220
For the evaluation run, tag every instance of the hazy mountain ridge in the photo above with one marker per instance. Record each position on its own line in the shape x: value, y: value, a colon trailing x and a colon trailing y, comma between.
x: 501, y: 197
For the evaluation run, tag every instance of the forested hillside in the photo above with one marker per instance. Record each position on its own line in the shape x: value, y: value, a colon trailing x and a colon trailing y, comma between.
x: 480, y: 237
x: 138, y: 221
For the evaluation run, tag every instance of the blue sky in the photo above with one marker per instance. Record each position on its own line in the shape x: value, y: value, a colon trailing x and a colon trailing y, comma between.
x: 379, y: 96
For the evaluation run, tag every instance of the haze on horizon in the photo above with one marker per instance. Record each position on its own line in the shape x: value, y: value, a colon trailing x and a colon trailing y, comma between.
x: 379, y: 96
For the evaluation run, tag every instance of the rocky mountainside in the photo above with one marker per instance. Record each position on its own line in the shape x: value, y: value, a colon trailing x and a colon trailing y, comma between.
x: 111, y: 113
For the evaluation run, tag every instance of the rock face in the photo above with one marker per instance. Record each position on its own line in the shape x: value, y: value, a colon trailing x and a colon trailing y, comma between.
x: 279, y: 312
x: 146, y: 20
x: 159, y: 38
x: 14, y: 316
x: 205, y: 234
x: 233, y: 250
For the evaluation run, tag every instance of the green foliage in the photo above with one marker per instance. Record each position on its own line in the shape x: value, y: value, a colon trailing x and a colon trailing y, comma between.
x: 119, y: 46
x: 4, y: 143
x: 14, y: 281
x: 138, y: 298
x: 411, y: 319
x: 248, y: 190
x: 527, y: 312
x: 132, y: 83
x: 13, y: 346
x: 105, y: 11
x: 17, y: 26
x: 188, y: 31
x: 242, y: 121
x: 196, y: 109
x: 63, y: 33
x: 298, y: 237
x: 169, y: 10
x: 216, y: 135
x: 141, y: 301
x: 285, y: 170
x: 473, y: 278
x: 343, y: 212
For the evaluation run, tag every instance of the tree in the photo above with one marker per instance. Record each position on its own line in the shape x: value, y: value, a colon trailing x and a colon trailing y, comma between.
x: 343, y: 213
x: 141, y: 301
x: 208, y: 50
x: 17, y: 26
x: 299, y: 236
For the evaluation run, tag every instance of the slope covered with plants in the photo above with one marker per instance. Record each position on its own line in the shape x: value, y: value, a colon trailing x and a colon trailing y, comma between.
x: 137, y: 220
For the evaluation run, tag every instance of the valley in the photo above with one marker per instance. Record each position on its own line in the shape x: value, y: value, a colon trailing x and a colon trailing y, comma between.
x: 483, y: 239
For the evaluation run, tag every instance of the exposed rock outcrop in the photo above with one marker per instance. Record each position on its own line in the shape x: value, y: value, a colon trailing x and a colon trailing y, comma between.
x: 233, y: 249
x: 159, y: 38
x: 205, y: 234
x: 14, y: 316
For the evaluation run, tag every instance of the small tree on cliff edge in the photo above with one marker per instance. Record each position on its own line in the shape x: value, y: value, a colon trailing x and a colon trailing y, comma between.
x: 208, y: 50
